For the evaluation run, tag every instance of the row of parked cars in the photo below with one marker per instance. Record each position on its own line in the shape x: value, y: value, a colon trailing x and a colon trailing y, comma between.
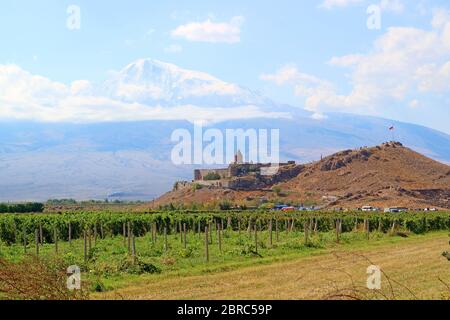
x: 394, y: 209
x: 287, y: 208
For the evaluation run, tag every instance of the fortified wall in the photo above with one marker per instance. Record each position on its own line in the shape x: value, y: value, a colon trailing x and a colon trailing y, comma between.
x: 246, y: 176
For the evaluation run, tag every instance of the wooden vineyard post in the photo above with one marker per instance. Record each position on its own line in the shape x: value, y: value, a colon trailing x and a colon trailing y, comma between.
x: 256, y: 238
x: 315, y: 225
x: 393, y: 227
x: 95, y: 234
x: 184, y: 235
x: 70, y: 234
x: 85, y: 246
x: 156, y: 231
x: 102, y: 233
x: 129, y: 236
x: 239, y: 228
x: 337, y: 231
x: 368, y: 229
x: 166, y: 246
x: 249, y: 229
x: 24, y: 232
x: 220, y: 236
x: 41, y: 235
x: 152, y: 240
x: 199, y: 230
x: 89, y: 241
x: 55, y: 238
x: 277, y: 231
x: 286, y: 226
x: 210, y: 233
x: 216, y: 227
x: 36, y: 241
x: 229, y: 223
x: 133, y: 247
x: 181, y: 232
x: 270, y: 233
x: 206, y: 244
x: 15, y: 231
x: 305, y: 230
x: 124, y: 233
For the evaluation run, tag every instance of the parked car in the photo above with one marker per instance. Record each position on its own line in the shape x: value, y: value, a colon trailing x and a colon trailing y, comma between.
x: 279, y: 207
x: 369, y: 208
x: 396, y: 209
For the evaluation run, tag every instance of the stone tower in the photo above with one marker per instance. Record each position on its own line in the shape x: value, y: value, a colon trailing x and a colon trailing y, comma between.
x: 239, y: 158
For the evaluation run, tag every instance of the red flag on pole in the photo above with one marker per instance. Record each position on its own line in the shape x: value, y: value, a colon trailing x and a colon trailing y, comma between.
x: 392, y: 129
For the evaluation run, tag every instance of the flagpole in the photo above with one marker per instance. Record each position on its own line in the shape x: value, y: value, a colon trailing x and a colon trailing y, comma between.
x: 392, y: 128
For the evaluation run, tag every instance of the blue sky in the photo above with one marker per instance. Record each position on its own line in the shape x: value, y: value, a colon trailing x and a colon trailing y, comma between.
x: 291, y: 51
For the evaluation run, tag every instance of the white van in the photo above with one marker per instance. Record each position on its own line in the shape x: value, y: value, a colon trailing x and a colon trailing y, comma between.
x: 368, y: 208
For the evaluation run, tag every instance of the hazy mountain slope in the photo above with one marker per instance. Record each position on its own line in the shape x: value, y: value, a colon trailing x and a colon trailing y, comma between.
x: 40, y: 161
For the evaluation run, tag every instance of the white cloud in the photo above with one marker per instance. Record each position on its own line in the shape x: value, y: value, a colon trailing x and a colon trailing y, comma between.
x: 314, y: 90
x: 81, y: 87
x: 25, y: 96
x: 18, y: 87
x: 208, y: 31
x: 290, y: 74
x: 402, y: 62
x: 433, y: 78
x: 330, y: 4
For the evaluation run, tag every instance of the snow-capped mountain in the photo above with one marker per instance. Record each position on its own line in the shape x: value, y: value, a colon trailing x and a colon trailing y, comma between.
x: 152, y: 82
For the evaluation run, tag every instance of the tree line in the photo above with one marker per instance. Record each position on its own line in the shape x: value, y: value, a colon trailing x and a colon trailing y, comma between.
x: 21, y: 207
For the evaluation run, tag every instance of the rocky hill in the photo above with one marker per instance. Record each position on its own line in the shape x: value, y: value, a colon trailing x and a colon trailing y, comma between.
x: 382, y: 176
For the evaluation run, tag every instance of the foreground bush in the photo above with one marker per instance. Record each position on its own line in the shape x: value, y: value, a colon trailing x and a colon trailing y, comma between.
x: 34, y: 279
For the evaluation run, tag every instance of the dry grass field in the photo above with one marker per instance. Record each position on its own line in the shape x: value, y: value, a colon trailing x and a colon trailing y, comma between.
x: 412, y: 269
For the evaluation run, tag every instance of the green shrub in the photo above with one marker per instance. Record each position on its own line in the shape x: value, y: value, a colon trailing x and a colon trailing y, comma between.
x: 211, y: 176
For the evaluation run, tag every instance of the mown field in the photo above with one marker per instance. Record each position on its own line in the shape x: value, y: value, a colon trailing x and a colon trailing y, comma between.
x: 413, y: 269
x: 116, y: 250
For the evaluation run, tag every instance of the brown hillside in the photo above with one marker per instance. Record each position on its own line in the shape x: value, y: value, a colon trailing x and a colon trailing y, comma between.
x: 382, y: 176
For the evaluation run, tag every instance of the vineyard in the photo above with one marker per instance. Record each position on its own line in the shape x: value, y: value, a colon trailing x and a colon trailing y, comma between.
x: 108, y: 245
